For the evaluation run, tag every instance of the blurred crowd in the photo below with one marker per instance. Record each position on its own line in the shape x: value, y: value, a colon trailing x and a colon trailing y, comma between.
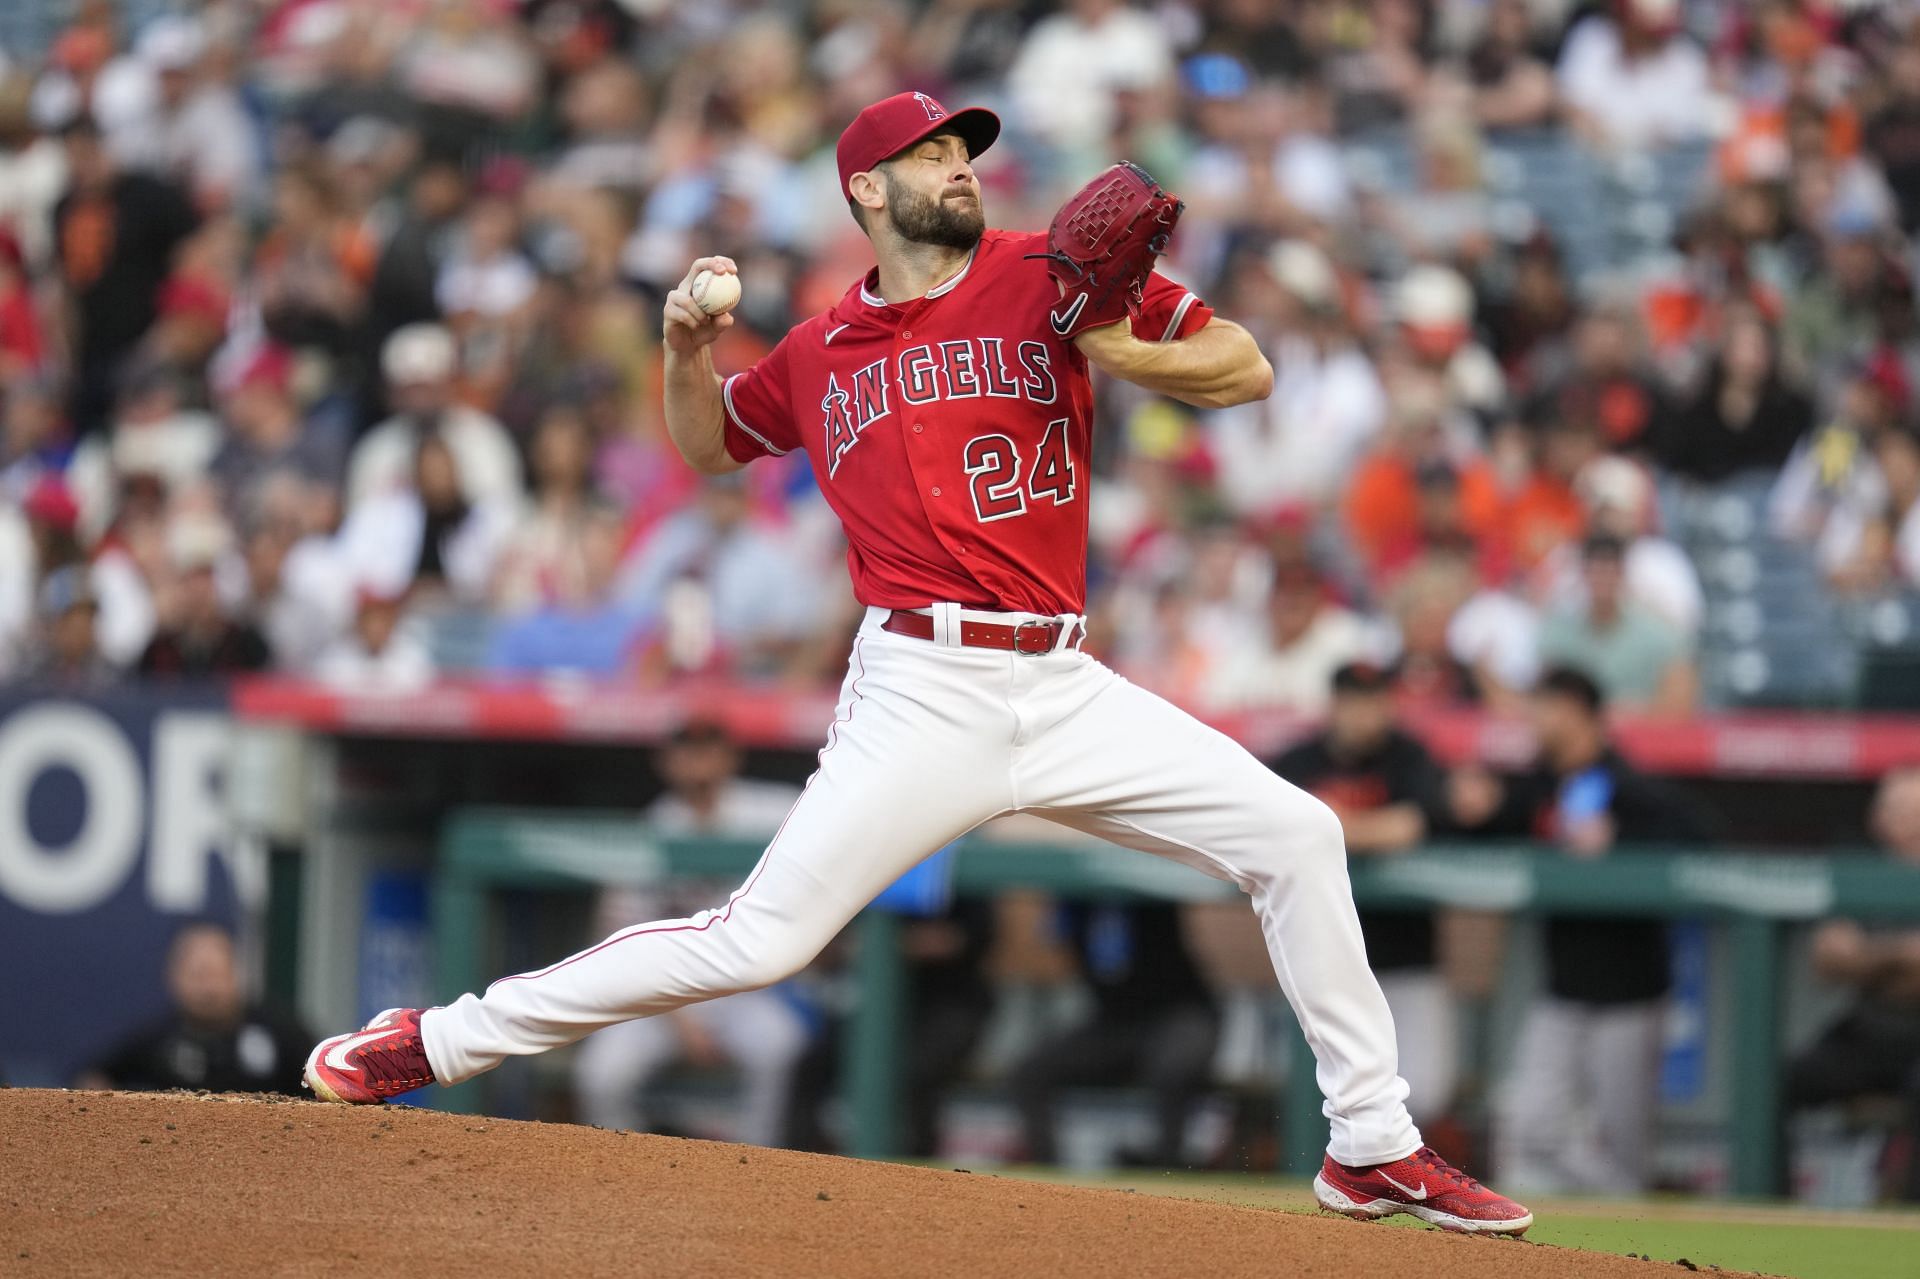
x: 329, y: 328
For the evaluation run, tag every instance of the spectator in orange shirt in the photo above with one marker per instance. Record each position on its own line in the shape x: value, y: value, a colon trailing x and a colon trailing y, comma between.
x: 1411, y: 492
x: 1607, y: 384
x: 1545, y: 512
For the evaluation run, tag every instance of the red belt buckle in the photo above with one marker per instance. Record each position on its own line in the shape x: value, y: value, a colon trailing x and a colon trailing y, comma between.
x: 1043, y: 627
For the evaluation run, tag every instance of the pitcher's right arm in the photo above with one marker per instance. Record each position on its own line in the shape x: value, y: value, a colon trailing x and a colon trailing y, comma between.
x: 696, y: 413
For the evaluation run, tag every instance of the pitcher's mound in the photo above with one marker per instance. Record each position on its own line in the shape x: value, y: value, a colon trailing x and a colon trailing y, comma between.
x: 121, y: 1183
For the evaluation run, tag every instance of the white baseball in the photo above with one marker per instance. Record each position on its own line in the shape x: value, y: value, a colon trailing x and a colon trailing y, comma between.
x: 715, y: 294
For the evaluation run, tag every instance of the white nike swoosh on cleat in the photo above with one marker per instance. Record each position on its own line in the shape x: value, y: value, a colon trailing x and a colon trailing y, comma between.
x: 1408, y: 1191
x: 337, y: 1055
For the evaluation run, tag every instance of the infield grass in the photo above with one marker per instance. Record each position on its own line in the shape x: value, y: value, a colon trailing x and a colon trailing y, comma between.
x: 1770, y: 1239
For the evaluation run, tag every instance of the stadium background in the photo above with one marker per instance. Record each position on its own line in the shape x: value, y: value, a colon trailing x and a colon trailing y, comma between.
x: 264, y: 654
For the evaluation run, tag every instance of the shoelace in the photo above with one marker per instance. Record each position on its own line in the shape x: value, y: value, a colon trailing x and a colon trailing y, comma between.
x: 1428, y: 1159
x: 399, y: 1064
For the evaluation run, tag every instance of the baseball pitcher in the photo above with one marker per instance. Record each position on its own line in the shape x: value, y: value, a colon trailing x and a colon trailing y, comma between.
x: 945, y: 407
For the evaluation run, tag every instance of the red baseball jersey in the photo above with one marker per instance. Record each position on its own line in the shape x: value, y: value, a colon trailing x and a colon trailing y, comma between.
x: 951, y: 434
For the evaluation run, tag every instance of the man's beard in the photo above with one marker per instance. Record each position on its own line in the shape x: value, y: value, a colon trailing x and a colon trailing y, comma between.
x: 923, y: 220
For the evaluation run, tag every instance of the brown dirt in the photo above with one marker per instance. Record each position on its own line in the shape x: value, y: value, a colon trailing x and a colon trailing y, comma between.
x: 171, y: 1183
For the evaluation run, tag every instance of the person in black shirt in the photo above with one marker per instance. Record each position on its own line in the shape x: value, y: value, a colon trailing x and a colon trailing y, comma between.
x: 1154, y: 1024
x: 1591, y: 1041
x: 949, y: 1001
x: 402, y: 290
x: 200, y: 641
x: 1746, y: 416
x: 1381, y: 782
x: 1873, y: 1049
x: 117, y: 234
x: 213, y: 1038
x: 1892, y: 133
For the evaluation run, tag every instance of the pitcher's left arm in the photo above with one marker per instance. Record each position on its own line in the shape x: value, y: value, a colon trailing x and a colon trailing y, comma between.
x: 1100, y: 251
x: 1216, y: 366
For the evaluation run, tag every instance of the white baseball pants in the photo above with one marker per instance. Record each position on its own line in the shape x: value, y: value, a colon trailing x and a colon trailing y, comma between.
x: 929, y: 741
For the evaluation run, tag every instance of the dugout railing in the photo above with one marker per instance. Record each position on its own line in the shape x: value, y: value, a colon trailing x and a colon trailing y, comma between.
x: 1755, y: 897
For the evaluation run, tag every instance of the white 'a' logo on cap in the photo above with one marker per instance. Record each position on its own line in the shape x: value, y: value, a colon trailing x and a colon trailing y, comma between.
x: 933, y: 109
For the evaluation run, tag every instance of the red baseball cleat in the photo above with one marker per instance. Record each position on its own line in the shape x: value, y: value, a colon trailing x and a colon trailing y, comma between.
x: 382, y: 1059
x: 1423, y: 1185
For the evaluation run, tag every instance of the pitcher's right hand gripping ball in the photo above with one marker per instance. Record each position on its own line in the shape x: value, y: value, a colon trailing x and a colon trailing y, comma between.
x: 715, y: 293
x: 1102, y: 244
x: 686, y: 322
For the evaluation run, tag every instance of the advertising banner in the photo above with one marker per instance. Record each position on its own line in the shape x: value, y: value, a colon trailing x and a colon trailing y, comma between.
x: 113, y: 830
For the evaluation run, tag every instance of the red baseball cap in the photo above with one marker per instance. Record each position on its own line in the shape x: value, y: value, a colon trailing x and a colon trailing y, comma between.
x: 51, y: 502
x: 271, y: 366
x: 891, y: 125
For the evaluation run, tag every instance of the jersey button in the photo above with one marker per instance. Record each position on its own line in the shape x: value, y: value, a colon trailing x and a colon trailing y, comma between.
x: 906, y: 333
x: 936, y: 490
x: 917, y: 428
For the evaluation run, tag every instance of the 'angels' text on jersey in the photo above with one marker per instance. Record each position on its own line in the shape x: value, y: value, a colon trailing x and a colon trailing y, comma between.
x: 960, y: 369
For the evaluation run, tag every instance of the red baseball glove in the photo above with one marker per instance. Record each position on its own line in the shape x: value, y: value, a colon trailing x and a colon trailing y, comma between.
x: 1102, y: 244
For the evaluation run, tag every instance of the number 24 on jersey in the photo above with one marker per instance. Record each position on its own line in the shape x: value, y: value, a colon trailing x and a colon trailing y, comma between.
x: 994, y: 467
